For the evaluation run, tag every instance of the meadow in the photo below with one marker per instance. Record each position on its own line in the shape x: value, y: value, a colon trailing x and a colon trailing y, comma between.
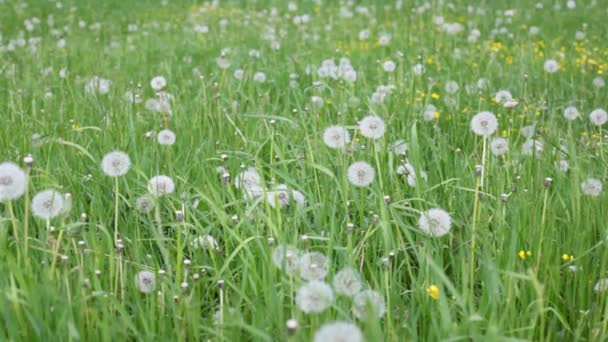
x: 328, y: 171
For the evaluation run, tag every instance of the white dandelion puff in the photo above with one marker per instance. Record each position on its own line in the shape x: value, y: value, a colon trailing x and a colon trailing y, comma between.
x: 12, y: 181
x: 239, y: 74
x: 372, y: 127
x: 435, y: 222
x: 429, y: 112
x: 145, y: 281
x: 571, y: 113
x: 259, y: 77
x: 503, y: 96
x: 533, y: 147
x: 166, y: 137
x: 451, y: 87
x: 158, y: 83
x: 599, y: 82
x: 161, y: 185
x: 564, y: 166
x: 336, y: 136
x: 360, y: 174
x: 408, y: 170
x: 601, y: 286
x: 313, y: 266
x: 598, y: 117
x: 368, y: 303
x: 339, y: 332
x: 286, y: 258
x: 145, y: 204
x: 499, y: 146
x: 299, y: 198
x: 484, y: 123
x: 248, y: 180
x: 278, y: 198
x: 97, y: 85
x: 347, y: 282
x: 115, y: 163
x: 399, y: 147
x: 551, y: 66
x: 314, y: 297
x: 47, y: 204
x: 204, y: 242
x: 592, y: 187
x: 389, y: 66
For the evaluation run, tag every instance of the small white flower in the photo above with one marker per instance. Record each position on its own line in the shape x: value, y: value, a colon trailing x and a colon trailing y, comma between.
x: 372, y: 127
x: 418, y: 69
x: 158, y: 83
x: 313, y: 266
x: 551, y: 66
x: 368, y: 303
x: 499, y: 146
x: 145, y: 281
x: 166, y: 137
x: 598, y: 117
x: 571, y: 113
x: 484, y: 123
x: 115, y: 164
x: 339, y: 332
x: 161, y: 185
x: 360, y: 174
x: 336, y: 137
x: 12, y: 182
x: 592, y: 187
x: 347, y: 282
x: 47, y: 204
x: 314, y: 297
x: 286, y: 258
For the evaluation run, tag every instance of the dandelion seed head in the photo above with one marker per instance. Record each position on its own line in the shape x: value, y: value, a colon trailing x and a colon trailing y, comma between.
x: 314, y: 297
x: 158, y: 83
x: 598, y: 117
x: 161, y: 185
x: 601, y: 286
x: 166, y: 137
x: 336, y: 137
x: 503, y: 96
x: 12, y: 181
x: 368, y: 303
x: 339, y: 332
x: 592, y: 187
x: 145, y: 204
x: 47, y: 204
x: 286, y: 258
x: 435, y: 222
x: 145, y: 281
x: 248, y: 180
x: 313, y: 266
x: 204, y: 242
x: 551, y: 66
x: 571, y: 113
x: 484, y: 123
x: 347, y: 282
x: 372, y: 127
x: 360, y: 174
x: 115, y: 164
x: 499, y: 146
x: 533, y: 147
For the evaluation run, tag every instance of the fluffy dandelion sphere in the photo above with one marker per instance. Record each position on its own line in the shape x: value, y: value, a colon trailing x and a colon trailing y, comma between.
x: 248, y: 179
x: 429, y: 112
x: 299, y: 198
x: 451, y: 87
x: 12, y: 182
x: 145, y: 281
x: 166, y: 137
x: 115, y: 164
x: 259, y: 77
x: 601, y: 286
x: 599, y: 82
x: 336, y: 137
x: 398, y: 147
x: 278, y: 198
x: 47, y: 204
x: 372, y: 127
x: 158, y: 83
x: 503, y: 96
x: 592, y: 187
x: 598, y: 117
x: 347, y: 282
x: 161, y: 185
x: 368, y: 303
x: 408, y: 170
x: 144, y: 204
x: 551, y: 66
x: 533, y: 147
x: 435, y: 222
x: 339, y: 332
x: 360, y: 174
x: 313, y: 266
x: 286, y: 258
x: 484, y: 123
x: 204, y: 242
x: 389, y: 66
x: 499, y: 146
x: 570, y: 113
x: 314, y: 297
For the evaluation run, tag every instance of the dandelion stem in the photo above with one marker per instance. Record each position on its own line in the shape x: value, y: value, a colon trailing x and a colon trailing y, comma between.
x: 116, y: 202
x: 542, y: 229
x: 478, y: 189
x: 11, y: 213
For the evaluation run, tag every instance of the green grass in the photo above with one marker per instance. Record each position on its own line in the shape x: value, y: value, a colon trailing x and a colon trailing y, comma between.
x: 487, y: 292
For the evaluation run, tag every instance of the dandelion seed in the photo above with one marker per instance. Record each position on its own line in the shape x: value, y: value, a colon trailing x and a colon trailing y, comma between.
x: 435, y: 222
x: 598, y: 117
x: 592, y: 187
x: 115, y: 164
x: 551, y: 66
x: 484, y: 123
x: 161, y: 185
x: 360, y: 174
x: 166, y: 137
x: 372, y: 127
x: 12, y: 181
x: 339, y: 332
x: 158, y: 83
x: 499, y: 146
x: 286, y: 258
x: 145, y: 204
x: 314, y: 297
x: 368, y: 303
x: 313, y: 266
x: 347, y: 282
x: 336, y: 137
x: 145, y: 281
x: 47, y: 204
x: 571, y: 113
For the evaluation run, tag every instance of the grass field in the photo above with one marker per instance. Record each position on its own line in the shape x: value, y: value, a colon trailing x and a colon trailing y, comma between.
x: 314, y: 171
